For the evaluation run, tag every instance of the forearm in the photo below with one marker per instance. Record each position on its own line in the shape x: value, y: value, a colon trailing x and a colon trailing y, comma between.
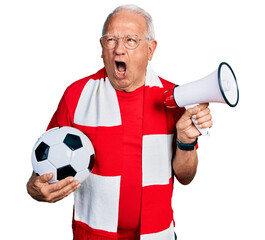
x: 185, y: 162
x: 185, y: 165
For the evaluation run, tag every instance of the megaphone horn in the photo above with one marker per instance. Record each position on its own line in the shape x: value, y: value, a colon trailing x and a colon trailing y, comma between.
x: 219, y: 86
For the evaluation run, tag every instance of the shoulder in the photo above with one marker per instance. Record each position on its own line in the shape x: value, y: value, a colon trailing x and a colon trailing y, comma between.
x: 73, y: 92
x: 176, y: 112
x: 166, y: 84
x: 77, y: 87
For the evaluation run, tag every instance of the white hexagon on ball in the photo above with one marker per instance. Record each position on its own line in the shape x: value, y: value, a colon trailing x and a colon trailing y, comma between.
x: 60, y: 155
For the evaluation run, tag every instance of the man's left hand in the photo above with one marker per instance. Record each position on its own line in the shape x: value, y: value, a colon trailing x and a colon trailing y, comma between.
x: 186, y: 130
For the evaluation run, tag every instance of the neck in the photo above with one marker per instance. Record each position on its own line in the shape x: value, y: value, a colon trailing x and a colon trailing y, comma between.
x: 131, y: 88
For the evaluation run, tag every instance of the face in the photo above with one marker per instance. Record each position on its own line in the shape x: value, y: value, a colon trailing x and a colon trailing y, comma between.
x: 126, y: 68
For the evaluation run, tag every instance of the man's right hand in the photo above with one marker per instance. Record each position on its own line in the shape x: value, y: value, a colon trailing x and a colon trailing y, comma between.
x: 40, y: 189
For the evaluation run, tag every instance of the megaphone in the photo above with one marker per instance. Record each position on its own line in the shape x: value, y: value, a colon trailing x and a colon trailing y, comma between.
x: 219, y: 86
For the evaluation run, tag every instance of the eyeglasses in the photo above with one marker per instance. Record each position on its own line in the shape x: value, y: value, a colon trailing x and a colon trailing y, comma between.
x: 110, y: 41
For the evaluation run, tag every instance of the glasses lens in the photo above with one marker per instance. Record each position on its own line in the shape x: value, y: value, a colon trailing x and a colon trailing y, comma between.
x: 109, y: 41
x: 131, y: 41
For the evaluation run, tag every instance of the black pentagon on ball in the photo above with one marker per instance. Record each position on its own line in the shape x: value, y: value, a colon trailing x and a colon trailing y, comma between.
x: 92, y: 162
x: 73, y: 141
x: 42, y: 151
x: 65, y: 171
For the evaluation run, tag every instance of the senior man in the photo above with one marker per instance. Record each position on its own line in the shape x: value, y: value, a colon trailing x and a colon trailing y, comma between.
x: 120, y: 108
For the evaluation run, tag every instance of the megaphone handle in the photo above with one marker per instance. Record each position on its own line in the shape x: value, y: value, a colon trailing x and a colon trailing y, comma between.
x: 203, y: 131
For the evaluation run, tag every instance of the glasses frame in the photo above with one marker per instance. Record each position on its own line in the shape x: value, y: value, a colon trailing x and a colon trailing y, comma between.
x: 123, y: 38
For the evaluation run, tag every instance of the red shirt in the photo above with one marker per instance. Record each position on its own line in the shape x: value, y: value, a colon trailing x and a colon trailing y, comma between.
x: 126, y: 161
x: 131, y: 108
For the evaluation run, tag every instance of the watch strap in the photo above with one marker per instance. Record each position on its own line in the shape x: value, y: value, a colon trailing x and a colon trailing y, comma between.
x: 187, y: 146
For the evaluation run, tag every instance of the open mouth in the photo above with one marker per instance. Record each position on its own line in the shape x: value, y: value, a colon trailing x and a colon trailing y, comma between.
x: 120, y: 67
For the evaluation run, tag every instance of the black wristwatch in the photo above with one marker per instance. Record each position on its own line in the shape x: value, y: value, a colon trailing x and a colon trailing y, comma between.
x: 187, y: 146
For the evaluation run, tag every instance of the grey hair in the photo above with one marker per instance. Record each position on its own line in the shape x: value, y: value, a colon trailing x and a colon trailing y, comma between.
x: 150, y: 34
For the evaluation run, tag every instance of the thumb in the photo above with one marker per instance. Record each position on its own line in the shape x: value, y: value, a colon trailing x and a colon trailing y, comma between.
x: 190, y: 112
x: 46, y: 177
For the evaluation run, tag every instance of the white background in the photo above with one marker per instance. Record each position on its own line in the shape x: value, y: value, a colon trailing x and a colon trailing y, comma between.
x: 46, y: 45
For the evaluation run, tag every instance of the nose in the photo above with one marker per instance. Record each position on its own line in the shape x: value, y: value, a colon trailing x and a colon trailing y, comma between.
x: 120, y: 48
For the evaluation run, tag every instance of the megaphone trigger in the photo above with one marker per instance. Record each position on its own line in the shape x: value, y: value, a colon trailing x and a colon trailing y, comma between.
x: 203, y: 131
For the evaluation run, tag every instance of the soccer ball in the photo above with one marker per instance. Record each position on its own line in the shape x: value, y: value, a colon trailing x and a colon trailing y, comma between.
x: 64, y: 151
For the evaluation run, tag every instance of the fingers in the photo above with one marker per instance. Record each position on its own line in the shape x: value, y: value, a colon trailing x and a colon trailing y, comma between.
x: 67, y: 182
x: 186, y: 131
x: 203, y: 119
x: 204, y: 122
x: 190, y: 112
x: 193, y: 111
x: 61, y: 189
x: 61, y: 184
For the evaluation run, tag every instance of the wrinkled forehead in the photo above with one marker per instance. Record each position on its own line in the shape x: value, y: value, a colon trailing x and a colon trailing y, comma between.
x: 126, y: 22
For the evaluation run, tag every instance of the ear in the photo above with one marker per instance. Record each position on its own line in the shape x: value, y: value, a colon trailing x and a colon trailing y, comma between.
x: 151, y: 49
x: 101, y: 47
